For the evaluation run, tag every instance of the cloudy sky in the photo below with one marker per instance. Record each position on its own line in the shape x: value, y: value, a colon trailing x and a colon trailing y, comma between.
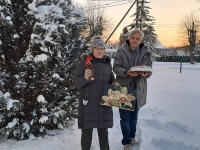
x: 166, y: 12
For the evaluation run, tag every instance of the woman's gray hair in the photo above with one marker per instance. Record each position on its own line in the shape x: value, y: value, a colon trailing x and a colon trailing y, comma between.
x: 135, y: 31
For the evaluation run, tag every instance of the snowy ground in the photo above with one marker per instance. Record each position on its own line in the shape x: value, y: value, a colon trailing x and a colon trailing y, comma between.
x: 169, y: 121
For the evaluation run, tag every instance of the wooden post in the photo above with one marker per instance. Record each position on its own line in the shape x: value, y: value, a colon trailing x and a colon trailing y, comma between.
x: 181, y: 64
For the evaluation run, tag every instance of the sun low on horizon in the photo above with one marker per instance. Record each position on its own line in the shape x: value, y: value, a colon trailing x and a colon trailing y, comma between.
x: 166, y: 12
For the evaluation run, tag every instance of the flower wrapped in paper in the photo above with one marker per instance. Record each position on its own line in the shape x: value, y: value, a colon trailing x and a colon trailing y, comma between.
x: 88, y: 65
x: 118, y: 96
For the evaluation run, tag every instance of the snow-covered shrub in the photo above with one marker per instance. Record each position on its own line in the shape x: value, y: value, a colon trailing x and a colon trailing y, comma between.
x: 40, y: 45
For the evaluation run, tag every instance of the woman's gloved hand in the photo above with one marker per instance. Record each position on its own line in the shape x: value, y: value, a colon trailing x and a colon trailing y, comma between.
x: 115, y: 83
x: 88, y: 74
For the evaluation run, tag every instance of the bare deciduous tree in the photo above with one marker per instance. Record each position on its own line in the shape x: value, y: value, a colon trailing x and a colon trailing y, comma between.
x: 98, y: 21
x: 185, y: 24
x: 189, y: 31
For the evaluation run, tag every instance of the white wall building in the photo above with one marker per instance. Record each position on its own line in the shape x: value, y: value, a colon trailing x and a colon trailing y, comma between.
x: 110, y: 52
x: 161, y: 50
x: 185, y: 50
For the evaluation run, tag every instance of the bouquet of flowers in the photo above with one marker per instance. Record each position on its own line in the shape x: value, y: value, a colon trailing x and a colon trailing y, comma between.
x: 88, y: 65
x: 118, y: 96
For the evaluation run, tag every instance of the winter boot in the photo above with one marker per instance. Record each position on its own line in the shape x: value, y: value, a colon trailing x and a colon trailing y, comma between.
x: 134, y: 142
x: 127, y: 147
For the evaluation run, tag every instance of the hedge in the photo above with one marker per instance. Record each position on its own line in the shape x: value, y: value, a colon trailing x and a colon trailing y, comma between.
x: 177, y: 59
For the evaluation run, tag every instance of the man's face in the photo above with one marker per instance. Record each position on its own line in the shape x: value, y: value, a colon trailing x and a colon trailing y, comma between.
x: 135, y: 40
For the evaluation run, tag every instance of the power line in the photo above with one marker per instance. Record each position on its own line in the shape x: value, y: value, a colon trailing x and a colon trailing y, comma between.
x: 107, y: 6
x: 156, y: 23
x: 120, y: 21
x: 103, y: 4
x: 125, y: 23
x: 160, y: 26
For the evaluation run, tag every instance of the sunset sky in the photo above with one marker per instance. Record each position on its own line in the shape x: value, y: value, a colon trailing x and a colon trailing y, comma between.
x: 166, y: 12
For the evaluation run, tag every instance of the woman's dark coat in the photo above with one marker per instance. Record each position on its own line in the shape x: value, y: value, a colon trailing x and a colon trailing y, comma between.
x: 94, y: 115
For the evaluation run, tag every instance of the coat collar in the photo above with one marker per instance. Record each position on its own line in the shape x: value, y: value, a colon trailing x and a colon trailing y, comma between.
x: 105, y: 58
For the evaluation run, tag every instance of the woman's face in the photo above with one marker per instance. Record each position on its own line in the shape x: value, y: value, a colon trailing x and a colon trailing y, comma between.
x: 98, y: 52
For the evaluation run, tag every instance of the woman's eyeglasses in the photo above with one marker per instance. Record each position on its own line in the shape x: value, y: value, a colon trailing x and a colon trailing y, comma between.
x: 98, y: 48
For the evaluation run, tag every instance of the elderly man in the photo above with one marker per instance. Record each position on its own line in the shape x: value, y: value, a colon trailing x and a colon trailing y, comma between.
x: 132, y: 53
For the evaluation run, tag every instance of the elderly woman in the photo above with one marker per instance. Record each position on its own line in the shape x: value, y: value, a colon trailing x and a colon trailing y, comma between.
x: 90, y: 113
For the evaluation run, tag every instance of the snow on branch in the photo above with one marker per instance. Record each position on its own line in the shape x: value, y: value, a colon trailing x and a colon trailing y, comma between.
x: 43, y: 119
x: 41, y: 99
x: 79, y: 12
x: 9, y: 101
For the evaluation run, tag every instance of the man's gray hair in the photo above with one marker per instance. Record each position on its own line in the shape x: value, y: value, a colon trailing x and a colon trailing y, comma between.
x: 135, y: 31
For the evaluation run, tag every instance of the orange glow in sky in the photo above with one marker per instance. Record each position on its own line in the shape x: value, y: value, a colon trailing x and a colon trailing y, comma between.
x: 166, y: 12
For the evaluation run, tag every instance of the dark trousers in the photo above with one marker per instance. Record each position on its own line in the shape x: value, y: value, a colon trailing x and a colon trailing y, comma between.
x: 86, y: 139
x: 128, y: 124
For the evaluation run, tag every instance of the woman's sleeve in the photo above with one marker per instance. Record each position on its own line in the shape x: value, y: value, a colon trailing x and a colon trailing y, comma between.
x: 79, y: 79
x: 112, y: 76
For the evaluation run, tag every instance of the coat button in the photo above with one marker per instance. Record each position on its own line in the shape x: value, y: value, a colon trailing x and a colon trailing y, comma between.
x: 101, y: 77
x: 101, y: 110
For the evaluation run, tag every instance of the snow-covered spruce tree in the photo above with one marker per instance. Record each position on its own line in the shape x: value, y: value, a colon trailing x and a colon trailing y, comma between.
x: 13, y: 38
x: 123, y: 36
x: 143, y: 21
x: 40, y: 96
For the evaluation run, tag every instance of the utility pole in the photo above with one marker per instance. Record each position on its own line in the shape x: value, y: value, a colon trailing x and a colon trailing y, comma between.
x: 192, y: 41
x: 137, y: 16
x: 120, y: 21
